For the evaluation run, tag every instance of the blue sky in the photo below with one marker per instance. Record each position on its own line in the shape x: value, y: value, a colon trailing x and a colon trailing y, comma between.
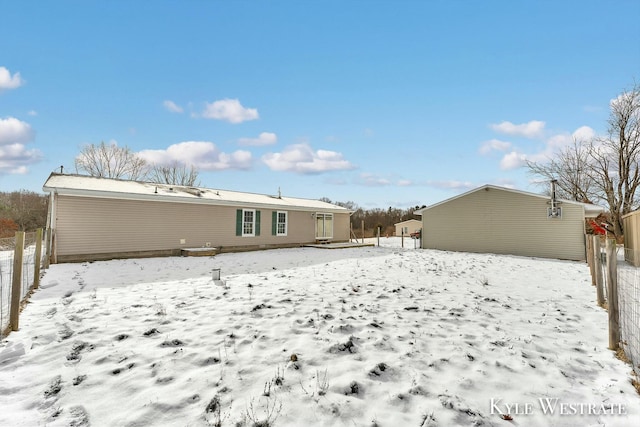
x: 383, y: 103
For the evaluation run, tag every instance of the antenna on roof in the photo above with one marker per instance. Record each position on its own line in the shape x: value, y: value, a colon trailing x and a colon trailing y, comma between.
x: 61, y: 169
x: 279, y: 193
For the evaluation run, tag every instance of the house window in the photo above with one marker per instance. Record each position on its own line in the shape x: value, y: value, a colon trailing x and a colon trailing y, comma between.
x: 281, y: 223
x: 406, y: 230
x: 247, y: 222
x: 324, y: 225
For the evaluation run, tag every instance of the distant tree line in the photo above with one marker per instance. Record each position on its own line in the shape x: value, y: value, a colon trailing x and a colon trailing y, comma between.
x: 22, y: 211
x: 376, y: 219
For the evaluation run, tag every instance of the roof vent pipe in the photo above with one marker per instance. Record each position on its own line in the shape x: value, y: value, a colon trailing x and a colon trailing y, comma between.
x: 554, y: 201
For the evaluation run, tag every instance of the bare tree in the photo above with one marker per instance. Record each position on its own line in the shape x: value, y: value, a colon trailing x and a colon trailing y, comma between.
x: 615, y: 157
x: 110, y: 161
x: 175, y: 174
x: 570, y: 167
x: 604, y: 168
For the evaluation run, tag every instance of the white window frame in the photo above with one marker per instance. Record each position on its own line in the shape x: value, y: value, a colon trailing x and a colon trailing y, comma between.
x: 285, y: 223
x: 245, y: 223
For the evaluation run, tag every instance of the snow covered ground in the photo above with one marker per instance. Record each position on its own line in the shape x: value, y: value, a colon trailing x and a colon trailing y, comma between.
x: 383, y: 336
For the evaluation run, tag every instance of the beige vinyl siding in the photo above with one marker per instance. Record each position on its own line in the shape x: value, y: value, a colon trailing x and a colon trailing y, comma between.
x: 411, y: 225
x: 341, y: 227
x: 86, y: 225
x: 504, y: 222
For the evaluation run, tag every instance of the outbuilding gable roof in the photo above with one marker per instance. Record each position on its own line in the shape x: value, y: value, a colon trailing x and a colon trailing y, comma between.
x: 89, y: 186
x: 590, y: 210
x: 408, y: 221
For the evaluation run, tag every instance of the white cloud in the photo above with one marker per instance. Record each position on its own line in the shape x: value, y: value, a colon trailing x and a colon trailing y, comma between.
x: 229, y: 110
x: 583, y: 133
x: 494, y: 145
x: 452, y: 185
x: 301, y: 158
x: 172, y: 106
x: 371, y: 180
x: 265, y: 138
x: 517, y: 157
x: 404, y: 183
x: 505, y: 182
x: 14, y: 158
x: 7, y: 81
x: 556, y: 142
x: 13, y: 131
x: 513, y: 160
x: 32, y: 113
x: 532, y: 129
x: 203, y: 155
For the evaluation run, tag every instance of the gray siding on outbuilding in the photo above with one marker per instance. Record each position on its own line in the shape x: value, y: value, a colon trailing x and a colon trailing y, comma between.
x: 502, y: 221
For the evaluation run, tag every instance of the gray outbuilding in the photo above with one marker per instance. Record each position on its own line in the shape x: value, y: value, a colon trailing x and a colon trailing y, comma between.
x: 492, y: 219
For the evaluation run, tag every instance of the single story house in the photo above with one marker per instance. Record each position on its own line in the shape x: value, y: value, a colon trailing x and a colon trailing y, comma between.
x: 631, y: 226
x: 407, y: 227
x: 94, y: 218
x: 492, y: 219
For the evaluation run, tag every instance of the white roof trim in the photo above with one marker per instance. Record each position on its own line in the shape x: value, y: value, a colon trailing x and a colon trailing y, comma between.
x: 88, y: 186
x: 589, y: 209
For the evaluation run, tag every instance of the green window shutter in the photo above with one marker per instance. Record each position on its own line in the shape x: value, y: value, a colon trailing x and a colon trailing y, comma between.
x: 239, y: 222
x: 274, y: 222
x: 257, y: 223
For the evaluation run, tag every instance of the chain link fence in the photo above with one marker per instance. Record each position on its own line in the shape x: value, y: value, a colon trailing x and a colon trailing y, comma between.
x: 27, y: 273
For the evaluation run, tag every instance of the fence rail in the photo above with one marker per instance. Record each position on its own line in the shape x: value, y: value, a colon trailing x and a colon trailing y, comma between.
x: 617, y: 283
x: 22, y: 258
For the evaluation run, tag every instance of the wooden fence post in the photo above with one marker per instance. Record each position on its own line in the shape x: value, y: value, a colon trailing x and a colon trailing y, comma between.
x: 47, y: 257
x: 38, y: 259
x: 363, y: 231
x: 612, y: 294
x: 589, y: 239
x: 14, y: 312
x: 597, y: 264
